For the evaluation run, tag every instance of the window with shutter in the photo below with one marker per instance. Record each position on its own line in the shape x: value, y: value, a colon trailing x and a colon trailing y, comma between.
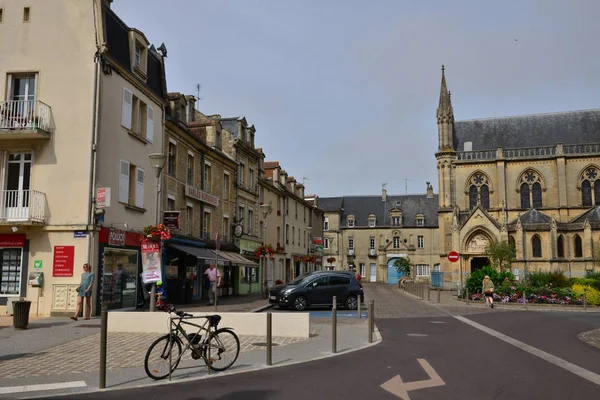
x: 127, y: 108
x: 139, y: 188
x: 124, y: 182
x: 149, y: 124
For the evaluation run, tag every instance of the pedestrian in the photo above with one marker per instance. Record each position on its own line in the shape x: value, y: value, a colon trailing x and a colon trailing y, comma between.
x: 214, y: 277
x: 488, y: 291
x: 84, y: 291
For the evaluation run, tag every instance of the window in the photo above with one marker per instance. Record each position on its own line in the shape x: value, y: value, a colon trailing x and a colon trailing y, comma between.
x: 479, y: 191
x: 350, y: 222
x: 420, y: 242
x: 420, y: 221
x: 226, y: 186
x: 296, y: 210
x: 525, y: 196
x: 586, y: 193
x: 206, y: 225
x: 26, y: 14
x: 241, y: 171
x: 536, y: 246
x: 537, y: 195
x: 131, y: 184
x: 396, y: 221
x: 137, y: 116
x: 511, y: 242
x: 422, y: 269
x: 207, y: 177
x: 372, y: 242
x: 336, y: 280
x: 326, y: 224
x: 251, y: 179
x: 560, y: 247
x: 362, y: 269
x: 350, y: 243
x: 278, y: 236
x: 250, y: 221
x: 287, y: 206
x: 137, y: 58
x: 225, y: 229
x: 371, y: 222
x: 485, y: 197
x: 1, y: 11
x: 240, y: 214
x: 293, y: 234
x: 189, y: 219
x: 170, y: 204
x: 472, y: 197
x: 578, y: 246
x: 396, y: 243
x: 171, y: 159
x: 531, y: 190
x: 589, y: 178
x: 190, y: 169
x: 278, y: 205
x: 305, y: 215
x: 287, y: 234
x: 10, y: 266
x: 326, y: 243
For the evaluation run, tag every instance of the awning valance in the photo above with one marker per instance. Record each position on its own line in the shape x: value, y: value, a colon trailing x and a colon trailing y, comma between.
x: 201, y: 253
x: 236, y: 258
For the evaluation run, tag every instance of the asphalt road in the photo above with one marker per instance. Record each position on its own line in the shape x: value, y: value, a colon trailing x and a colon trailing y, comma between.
x: 472, y: 364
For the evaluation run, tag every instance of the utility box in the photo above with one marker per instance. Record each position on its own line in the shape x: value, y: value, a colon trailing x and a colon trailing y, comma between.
x: 36, y: 279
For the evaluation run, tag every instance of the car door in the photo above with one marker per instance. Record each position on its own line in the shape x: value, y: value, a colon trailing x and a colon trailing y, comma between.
x: 338, y: 287
x: 317, y: 290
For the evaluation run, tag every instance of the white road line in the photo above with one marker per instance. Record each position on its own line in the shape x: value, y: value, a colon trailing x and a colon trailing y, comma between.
x: 46, y: 386
x: 559, y: 362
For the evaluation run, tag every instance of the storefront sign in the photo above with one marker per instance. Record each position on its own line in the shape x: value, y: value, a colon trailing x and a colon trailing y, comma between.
x: 318, y: 240
x: 63, y: 260
x: 116, y: 237
x: 103, y: 197
x: 12, y: 240
x: 198, y: 194
x: 151, y: 271
x: 171, y: 219
x: 37, y: 264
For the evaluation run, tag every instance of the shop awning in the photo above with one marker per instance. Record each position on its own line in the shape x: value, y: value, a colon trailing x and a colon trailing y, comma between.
x: 236, y: 258
x: 204, y: 254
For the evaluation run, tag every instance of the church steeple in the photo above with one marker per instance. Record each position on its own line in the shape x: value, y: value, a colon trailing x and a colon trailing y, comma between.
x: 445, y: 117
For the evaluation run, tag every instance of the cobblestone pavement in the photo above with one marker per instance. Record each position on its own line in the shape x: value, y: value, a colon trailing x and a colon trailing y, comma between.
x: 83, y: 355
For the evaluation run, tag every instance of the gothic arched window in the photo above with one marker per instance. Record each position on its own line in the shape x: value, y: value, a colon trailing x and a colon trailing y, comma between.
x: 586, y: 193
x: 472, y: 197
x: 578, y: 246
x: 484, y: 193
x: 536, y: 246
x: 560, y: 247
x: 590, y: 187
x: 531, y: 190
x: 479, y: 192
x: 511, y: 242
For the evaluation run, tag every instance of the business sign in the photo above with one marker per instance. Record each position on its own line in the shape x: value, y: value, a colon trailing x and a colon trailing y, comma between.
x: 198, y: 194
x: 116, y: 237
x: 103, y: 197
x: 318, y: 240
x: 171, y: 219
x: 12, y: 240
x: 63, y: 260
x: 151, y: 271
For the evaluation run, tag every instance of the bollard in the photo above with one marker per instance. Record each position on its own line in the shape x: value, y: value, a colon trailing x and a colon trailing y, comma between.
x: 269, y: 338
x: 103, y: 334
x: 371, y: 324
x: 334, y: 326
x: 584, y: 301
x: 438, y: 297
x: 428, y: 293
x: 422, y: 292
x: 467, y: 295
x: 215, y: 297
x: 358, y: 308
x: 524, y: 300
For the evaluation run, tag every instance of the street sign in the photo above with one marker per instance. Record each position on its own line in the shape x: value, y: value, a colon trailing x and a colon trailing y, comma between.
x: 453, y: 256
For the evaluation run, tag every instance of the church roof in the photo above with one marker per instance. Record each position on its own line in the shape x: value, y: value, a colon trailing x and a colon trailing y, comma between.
x: 570, y: 127
x: 532, y: 220
x: 592, y: 215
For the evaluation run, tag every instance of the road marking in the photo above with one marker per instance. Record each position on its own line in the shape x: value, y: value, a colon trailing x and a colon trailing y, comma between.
x: 416, y: 334
x: 436, y: 322
x: 45, y: 386
x: 559, y: 362
x: 400, y: 388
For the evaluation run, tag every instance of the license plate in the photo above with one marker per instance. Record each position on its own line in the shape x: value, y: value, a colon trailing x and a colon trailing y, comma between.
x: 273, y: 297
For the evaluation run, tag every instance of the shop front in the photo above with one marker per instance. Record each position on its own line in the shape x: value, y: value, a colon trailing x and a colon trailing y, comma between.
x: 14, y: 251
x: 250, y: 275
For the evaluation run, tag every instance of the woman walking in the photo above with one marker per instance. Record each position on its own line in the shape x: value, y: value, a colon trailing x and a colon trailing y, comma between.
x: 85, y: 292
x: 488, y: 291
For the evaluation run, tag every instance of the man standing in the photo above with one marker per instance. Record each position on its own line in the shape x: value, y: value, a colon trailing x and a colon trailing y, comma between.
x: 214, y: 278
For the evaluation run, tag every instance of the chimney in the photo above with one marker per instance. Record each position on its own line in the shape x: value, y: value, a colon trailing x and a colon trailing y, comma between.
x: 191, y: 111
x: 429, y: 191
x: 275, y: 174
x: 383, y: 194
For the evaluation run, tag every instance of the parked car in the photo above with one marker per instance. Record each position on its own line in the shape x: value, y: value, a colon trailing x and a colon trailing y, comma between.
x: 317, y: 288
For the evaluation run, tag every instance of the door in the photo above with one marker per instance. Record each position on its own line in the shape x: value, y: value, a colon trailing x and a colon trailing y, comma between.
x: 393, y: 274
x: 373, y: 272
x: 18, y: 181
x: 318, y: 291
x: 338, y: 287
x: 21, y: 99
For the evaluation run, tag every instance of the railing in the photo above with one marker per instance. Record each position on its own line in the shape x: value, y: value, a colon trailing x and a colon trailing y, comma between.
x: 22, y: 206
x: 530, y: 152
x: 581, y: 148
x: 25, y: 115
x: 477, y: 155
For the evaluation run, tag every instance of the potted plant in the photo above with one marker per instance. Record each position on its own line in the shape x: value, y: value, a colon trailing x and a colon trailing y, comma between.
x: 155, y: 233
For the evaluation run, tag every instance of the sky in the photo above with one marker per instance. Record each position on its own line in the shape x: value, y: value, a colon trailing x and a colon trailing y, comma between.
x: 343, y: 93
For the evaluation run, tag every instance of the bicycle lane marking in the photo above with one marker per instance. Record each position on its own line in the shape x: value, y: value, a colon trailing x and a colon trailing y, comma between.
x: 559, y: 362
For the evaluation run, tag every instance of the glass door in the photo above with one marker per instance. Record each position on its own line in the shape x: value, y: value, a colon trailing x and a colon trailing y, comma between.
x: 21, y: 96
x: 18, y: 182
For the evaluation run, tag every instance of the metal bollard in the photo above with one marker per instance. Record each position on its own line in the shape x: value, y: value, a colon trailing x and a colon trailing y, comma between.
x: 358, y: 306
x: 584, y: 301
x: 103, y: 339
x: 524, y: 300
x: 269, y: 338
x: 428, y: 293
x: 334, y: 326
x: 438, y: 297
x: 371, y: 323
x: 467, y: 295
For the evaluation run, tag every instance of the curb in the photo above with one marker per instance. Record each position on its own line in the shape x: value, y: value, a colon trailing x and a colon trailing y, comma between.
x: 262, y: 308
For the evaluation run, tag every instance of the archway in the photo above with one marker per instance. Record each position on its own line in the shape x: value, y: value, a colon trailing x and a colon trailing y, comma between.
x: 478, y: 263
x: 393, y: 274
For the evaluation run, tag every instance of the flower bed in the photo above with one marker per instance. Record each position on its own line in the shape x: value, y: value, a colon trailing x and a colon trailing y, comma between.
x: 517, y: 298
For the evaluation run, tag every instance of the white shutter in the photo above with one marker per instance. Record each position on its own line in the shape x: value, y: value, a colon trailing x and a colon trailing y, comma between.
x: 124, y: 182
x: 139, y: 188
x: 149, y: 124
x: 126, y: 109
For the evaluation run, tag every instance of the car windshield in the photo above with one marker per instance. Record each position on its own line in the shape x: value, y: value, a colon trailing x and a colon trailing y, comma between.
x: 302, y: 279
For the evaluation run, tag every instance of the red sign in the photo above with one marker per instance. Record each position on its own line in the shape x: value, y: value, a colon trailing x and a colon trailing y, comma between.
x: 63, y: 260
x: 453, y: 256
x: 116, y: 237
x: 12, y: 240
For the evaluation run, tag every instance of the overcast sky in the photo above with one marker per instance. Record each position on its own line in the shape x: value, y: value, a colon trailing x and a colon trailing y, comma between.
x: 344, y: 92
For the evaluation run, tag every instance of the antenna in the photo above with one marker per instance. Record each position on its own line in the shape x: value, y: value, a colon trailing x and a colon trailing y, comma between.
x: 406, y: 184
x: 198, y: 87
x: 383, y: 185
x: 304, y: 179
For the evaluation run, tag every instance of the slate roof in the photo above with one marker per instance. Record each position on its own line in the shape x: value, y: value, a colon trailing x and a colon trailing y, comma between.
x: 117, y: 37
x: 592, y: 215
x: 532, y: 220
x: 362, y: 206
x: 570, y: 127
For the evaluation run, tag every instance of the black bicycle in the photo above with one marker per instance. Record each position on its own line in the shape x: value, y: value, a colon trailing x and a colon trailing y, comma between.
x: 219, y: 348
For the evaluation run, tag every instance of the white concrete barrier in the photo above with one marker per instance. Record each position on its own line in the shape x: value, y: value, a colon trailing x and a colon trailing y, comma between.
x: 284, y: 324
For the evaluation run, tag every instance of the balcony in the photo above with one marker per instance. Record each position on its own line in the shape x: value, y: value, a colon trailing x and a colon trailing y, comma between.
x: 22, y: 207
x: 25, y: 119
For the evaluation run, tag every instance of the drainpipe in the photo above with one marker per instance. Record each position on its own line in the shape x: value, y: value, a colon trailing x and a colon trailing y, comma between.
x: 93, y: 160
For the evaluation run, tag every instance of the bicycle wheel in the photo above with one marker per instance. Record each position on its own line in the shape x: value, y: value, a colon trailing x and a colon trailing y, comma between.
x: 158, y: 362
x: 224, y: 349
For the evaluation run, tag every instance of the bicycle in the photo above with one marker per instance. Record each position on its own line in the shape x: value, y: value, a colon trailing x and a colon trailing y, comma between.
x: 217, y: 344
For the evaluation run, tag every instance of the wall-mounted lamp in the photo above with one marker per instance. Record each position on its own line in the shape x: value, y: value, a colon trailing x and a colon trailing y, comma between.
x: 14, y: 229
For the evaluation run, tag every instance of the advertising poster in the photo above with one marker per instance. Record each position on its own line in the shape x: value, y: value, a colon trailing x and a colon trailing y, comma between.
x: 151, y: 271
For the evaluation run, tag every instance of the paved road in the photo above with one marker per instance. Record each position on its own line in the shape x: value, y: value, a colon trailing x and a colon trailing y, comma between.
x: 473, y: 364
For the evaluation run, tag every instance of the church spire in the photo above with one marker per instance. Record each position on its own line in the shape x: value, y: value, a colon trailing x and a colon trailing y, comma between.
x: 445, y: 106
x: 445, y: 117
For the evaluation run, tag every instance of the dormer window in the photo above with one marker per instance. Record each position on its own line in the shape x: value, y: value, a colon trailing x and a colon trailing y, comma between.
x: 138, y: 52
x: 137, y: 58
x: 350, y: 221
x: 396, y: 218
x: 420, y: 220
x: 372, y: 220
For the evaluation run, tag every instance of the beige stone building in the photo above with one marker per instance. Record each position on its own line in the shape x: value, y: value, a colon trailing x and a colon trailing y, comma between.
x: 77, y: 114
x: 530, y: 180
x: 369, y: 233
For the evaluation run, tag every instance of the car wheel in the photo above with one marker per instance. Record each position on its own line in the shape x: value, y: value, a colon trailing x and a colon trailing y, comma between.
x: 351, y: 303
x: 300, y: 303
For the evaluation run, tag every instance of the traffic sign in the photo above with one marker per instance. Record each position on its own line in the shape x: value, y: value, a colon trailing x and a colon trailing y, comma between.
x: 453, y: 256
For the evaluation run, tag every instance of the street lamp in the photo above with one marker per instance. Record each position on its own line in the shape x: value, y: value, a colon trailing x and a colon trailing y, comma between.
x: 266, y: 209
x: 157, y: 160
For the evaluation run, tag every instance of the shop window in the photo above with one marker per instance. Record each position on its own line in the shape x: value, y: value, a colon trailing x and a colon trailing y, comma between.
x: 250, y: 275
x: 10, y: 280
x: 120, y: 278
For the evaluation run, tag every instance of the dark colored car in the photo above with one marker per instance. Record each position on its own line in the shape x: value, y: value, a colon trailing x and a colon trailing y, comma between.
x: 317, y: 288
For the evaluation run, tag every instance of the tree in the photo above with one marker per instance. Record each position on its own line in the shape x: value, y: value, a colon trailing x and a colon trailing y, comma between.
x: 501, y: 255
x: 402, y: 265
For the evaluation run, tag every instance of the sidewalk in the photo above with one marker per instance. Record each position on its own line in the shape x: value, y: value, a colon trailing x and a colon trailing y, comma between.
x: 251, y: 302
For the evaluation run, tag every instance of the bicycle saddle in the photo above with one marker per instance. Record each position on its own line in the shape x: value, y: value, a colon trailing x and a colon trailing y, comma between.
x: 214, y: 319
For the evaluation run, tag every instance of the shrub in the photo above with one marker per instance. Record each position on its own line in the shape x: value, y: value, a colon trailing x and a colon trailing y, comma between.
x: 475, y: 280
x: 592, y: 295
x: 554, y: 279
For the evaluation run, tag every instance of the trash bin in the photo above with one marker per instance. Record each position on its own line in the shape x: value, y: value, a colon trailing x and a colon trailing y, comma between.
x: 21, y: 314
